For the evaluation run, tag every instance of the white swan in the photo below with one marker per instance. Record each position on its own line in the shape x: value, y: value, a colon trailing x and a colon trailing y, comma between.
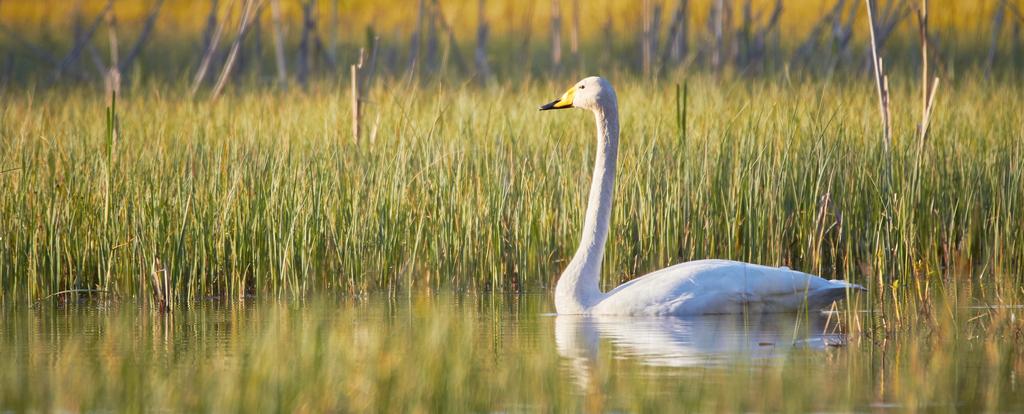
x: 692, y: 288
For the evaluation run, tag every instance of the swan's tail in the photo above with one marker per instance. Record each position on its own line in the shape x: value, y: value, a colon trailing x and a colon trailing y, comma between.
x: 837, y: 290
x: 842, y: 284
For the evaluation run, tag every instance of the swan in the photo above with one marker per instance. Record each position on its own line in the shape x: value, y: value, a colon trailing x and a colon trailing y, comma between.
x: 691, y: 288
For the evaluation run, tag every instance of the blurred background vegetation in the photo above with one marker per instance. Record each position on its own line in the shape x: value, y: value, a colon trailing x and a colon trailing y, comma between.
x: 71, y: 40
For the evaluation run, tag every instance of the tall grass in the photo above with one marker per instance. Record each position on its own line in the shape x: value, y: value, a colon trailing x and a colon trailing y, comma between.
x: 471, y: 188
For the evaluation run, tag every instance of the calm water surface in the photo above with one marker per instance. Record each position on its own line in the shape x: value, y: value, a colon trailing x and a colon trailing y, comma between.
x: 482, y: 353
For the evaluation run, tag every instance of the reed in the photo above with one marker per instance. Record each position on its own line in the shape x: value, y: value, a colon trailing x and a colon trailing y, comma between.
x: 471, y: 189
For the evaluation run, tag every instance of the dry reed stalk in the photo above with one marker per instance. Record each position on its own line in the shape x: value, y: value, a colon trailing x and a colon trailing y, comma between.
x: 814, y: 244
x: 718, y: 28
x: 414, y: 42
x: 147, y: 29
x: 367, y: 81
x: 356, y: 95
x: 1015, y: 40
x: 303, y: 58
x: 887, y: 105
x: 282, y: 68
x: 211, y: 24
x: 676, y: 43
x: 112, y: 80
x: 483, y: 69
x: 328, y: 58
x: 927, y: 92
x: 842, y: 33
x: 229, y: 64
x: 654, y: 28
x: 97, y: 61
x: 255, y: 50
x: 893, y: 13
x: 453, y: 45
x: 430, y: 58
x: 881, y: 81
x: 82, y: 41
x: 204, y: 64
x: 645, y: 41
x: 807, y: 47
x: 112, y: 36
x: 754, y: 38
x: 997, y: 27
x: 745, y: 31
x: 94, y: 55
x: 310, y: 39
x: 161, y: 287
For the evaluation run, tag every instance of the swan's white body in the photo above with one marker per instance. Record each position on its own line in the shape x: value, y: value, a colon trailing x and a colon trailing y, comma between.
x: 692, y: 288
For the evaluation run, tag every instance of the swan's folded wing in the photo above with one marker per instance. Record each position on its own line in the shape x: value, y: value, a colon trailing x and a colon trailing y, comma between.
x: 721, y: 286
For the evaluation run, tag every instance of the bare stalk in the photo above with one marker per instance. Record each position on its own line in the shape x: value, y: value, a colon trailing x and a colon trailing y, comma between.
x: 483, y: 69
x: 112, y: 80
x: 754, y: 35
x: 997, y: 27
x: 453, y: 45
x: 922, y: 25
x: 881, y: 81
x: 430, y: 58
x: 357, y: 109
x: 927, y: 91
x: 367, y: 81
x: 718, y: 16
x: 676, y: 42
x: 147, y: 29
x: 328, y: 57
x: 204, y: 64
x: 282, y: 69
x: 929, y: 107
x: 211, y: 24
x: 302, y: 60
x: 645, y: 37
x: 243, y: 27
x: 82, y: 41
x: 414, y: 42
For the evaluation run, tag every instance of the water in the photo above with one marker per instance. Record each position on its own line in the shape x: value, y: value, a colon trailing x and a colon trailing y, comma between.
x: 448, y: 352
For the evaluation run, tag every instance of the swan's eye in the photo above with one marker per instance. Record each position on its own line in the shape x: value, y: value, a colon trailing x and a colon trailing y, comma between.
x: 582, y: 86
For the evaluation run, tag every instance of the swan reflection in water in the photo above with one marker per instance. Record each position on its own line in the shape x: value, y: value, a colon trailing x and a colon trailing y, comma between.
x: 696, y: 341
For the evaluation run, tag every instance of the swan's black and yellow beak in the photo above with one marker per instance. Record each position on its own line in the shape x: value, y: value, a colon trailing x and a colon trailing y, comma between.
x: 561, y: 103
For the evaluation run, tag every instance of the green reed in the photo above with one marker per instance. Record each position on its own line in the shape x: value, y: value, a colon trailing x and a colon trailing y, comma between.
x: 471, y: 188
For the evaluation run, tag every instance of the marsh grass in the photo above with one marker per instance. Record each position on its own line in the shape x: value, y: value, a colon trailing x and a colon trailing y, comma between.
x: 471, y: 189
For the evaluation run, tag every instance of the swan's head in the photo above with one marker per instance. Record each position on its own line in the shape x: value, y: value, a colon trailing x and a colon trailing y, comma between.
x: 590, y: 93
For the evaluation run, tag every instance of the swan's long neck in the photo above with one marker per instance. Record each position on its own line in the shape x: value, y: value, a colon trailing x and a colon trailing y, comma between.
x: 578, y: 287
